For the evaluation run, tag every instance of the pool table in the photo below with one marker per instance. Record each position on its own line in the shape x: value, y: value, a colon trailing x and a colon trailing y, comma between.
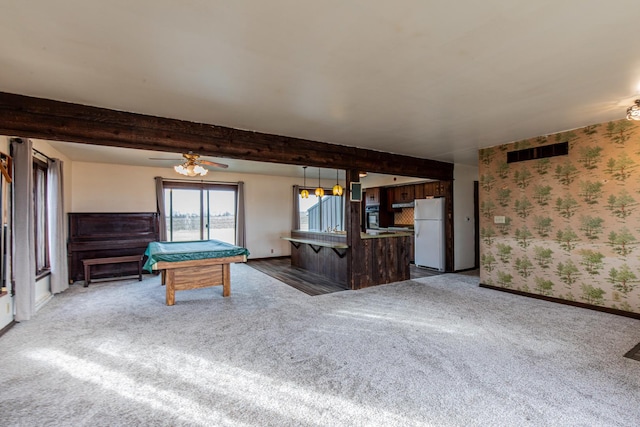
x: 193, y: 265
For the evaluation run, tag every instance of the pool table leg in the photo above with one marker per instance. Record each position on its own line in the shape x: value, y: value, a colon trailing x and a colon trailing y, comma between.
x: 226, y: 279
x: 171, y: 292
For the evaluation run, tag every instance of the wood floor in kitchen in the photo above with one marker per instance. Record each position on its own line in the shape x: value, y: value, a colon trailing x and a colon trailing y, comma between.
x: 310, y: 283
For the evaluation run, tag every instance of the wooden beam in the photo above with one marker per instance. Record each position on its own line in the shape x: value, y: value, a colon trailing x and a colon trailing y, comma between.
x: 356, y: 263
x: 30, y: 117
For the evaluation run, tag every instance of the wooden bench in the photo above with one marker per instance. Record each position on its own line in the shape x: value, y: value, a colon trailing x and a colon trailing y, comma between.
x: 87, y: 263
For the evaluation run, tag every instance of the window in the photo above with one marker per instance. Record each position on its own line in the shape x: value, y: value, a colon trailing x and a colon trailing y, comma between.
x: 320, y: 214
x: 40, y: 215
x: 200, y: 211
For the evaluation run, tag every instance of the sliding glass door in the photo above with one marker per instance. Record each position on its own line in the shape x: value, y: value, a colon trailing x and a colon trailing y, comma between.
x: 200, y: 211
x: 221, y: 215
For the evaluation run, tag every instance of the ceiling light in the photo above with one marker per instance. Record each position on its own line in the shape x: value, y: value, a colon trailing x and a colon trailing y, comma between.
x: 190, y: 168
x: 362, y: 174
x: 633, y: 112
x: 319, y: 190
x: 337, y: 189
x: 304, y: 193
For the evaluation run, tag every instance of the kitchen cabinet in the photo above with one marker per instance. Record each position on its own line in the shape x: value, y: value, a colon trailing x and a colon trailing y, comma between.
x: 373, y: 196
x: 412, y: 250
x: 404, y: 194
x: 391, y: 197
x: 441, y: 188
x: 435, y: 189
x: 418, y: 189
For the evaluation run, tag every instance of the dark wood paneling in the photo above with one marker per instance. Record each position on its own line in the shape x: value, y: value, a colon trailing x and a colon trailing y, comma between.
x: 386, y: 261
x: 446, y: 189
x: 355, y: 256
x: 43, y: 118
x: 325, y: 261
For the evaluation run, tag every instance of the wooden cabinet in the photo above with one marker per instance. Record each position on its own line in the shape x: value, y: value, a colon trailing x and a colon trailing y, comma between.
x: 418, y: 189
x: 434, y: 189
x: 412, y: 249
x: 440, y: 188
x: 373, y: 196
x: 404, y: 194
x: 429, y: 189
x: 391, y: 197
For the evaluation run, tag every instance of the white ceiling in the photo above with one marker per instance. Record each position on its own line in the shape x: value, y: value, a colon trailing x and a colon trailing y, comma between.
x: 432, y: 79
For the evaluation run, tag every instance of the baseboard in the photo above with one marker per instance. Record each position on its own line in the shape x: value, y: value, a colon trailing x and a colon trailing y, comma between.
x: 6, y: 328
x: 269, y: 258
x: 43, y: 301
x: 565, y: 302
x: 465, y: 269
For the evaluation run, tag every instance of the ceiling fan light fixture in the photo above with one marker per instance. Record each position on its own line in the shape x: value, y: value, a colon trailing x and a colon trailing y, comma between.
x: 633, y: 112
x: 190, y: 169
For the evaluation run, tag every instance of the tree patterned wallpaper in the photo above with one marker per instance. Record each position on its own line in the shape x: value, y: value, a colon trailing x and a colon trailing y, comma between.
x: 572, y: 223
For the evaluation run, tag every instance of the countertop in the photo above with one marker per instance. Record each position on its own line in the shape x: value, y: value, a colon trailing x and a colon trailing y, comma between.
x: 385, y: 232
x: 376, y: 233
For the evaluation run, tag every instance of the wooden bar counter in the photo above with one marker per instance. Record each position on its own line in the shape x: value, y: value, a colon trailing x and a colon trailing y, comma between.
x: 386, y: 255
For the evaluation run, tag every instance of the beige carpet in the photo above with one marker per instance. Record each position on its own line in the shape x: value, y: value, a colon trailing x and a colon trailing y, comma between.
x: 436, y: 351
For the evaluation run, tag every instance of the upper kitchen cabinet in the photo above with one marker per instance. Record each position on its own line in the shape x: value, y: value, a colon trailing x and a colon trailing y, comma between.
x: 435, y: 189
x: 373, y: 196
x: 404, y: 194
x: 418, y: 189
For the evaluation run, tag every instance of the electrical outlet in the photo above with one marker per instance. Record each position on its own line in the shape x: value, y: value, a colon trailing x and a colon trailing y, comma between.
x: 499, y: 220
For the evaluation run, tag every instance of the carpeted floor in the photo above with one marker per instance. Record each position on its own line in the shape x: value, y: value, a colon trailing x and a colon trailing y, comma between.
x: 435, y: 351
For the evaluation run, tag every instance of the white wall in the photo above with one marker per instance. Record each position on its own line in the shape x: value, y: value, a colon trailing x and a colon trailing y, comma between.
x: 99, y: 187
x: 463, y: 217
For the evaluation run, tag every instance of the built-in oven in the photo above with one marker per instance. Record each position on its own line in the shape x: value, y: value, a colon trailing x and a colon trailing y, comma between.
x: 373, y: 216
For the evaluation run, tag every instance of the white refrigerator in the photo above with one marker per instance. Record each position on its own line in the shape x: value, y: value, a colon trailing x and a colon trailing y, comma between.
x: 429, y: 233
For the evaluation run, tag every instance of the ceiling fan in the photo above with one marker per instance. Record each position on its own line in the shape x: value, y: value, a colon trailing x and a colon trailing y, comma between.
x: 192, y: 165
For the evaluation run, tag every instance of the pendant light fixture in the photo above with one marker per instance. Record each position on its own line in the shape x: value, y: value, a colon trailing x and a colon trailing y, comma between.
x: 319, y: 190
x: 337, y: 189
x: 304, y: 193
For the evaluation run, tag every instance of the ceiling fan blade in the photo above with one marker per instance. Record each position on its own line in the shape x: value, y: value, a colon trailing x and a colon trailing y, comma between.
x: 218, y: 165
x: 163, y: 158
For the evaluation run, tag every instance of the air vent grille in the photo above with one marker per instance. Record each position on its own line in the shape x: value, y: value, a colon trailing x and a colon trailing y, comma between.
x: 559, y: 149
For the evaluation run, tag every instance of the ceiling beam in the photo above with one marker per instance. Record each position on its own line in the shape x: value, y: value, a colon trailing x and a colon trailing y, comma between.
x: 32, y: 117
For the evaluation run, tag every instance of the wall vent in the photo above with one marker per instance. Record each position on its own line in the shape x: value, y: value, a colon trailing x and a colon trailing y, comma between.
x: 559, y: 149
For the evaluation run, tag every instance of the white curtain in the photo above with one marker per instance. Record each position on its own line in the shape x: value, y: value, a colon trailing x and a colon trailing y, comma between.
x: 162, y: 214
x: 56, y: 224
x: 241, y: 238
x: 24, y: 262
